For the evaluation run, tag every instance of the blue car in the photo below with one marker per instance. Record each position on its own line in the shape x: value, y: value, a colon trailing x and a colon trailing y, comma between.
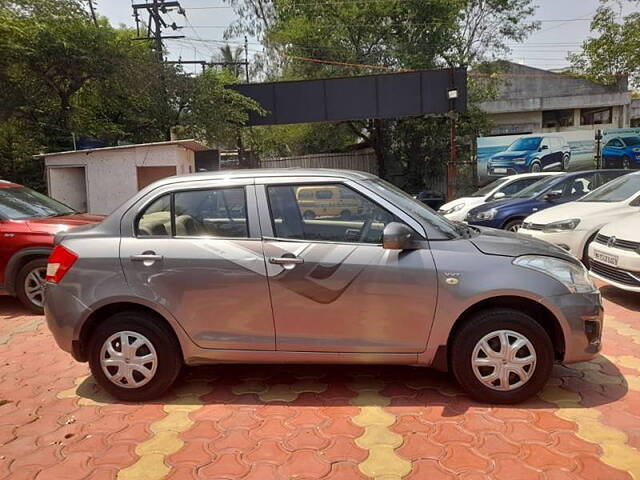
x: 508, y: 214
x: 531, y: 153
x: 622, y: 152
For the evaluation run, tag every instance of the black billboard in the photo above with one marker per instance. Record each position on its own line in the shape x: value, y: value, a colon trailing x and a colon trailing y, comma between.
x: 393, y: 95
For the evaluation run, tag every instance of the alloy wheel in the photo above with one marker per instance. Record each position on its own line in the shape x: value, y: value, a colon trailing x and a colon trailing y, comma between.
x: 34, y: 286
x: 504, y: 360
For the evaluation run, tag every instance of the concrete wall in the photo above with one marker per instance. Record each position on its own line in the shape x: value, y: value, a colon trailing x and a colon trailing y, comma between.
x: 111, y: 173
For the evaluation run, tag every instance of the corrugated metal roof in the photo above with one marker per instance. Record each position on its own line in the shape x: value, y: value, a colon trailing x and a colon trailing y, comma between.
x: 190, y: 144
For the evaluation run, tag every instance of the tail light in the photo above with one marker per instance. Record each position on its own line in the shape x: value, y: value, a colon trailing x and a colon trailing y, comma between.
x: 59, y: 263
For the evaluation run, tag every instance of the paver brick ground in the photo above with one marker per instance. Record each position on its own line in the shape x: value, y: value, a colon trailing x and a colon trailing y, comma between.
x: 309, y: 422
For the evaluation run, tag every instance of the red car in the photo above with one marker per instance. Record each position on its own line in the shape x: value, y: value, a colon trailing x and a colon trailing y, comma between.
x: 28, y: 222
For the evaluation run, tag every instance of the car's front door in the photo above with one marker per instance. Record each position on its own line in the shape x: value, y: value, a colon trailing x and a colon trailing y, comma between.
x: 198, y: 253
x: 333, y: 287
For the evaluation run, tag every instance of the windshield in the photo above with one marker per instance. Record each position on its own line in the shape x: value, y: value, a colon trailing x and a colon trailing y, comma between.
x: 528, y: 143
x: 20, y: 203
x: 487, y: 189
x: 537, y: 188
x: 414, y: 208
x: 631, y: 141
x: 616, y: 190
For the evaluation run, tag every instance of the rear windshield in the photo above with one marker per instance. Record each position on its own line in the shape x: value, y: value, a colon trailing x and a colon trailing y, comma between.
x: 21, y: 203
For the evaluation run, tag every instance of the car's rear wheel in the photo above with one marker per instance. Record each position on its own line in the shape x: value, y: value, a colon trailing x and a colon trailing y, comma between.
x: 501, y: 356
x: 134, y: 357
x: 513, y: 225
x: 30, y: 284
x: 309, y: 215
x: 565, y: 163
x: 345, y: 215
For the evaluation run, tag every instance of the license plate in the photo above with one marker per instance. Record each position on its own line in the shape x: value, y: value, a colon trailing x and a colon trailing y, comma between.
x: 500, y: 170
x: 605, y: 258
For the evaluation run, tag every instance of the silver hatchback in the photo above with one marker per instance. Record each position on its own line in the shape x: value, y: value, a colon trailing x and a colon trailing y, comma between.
x: 312, y: 266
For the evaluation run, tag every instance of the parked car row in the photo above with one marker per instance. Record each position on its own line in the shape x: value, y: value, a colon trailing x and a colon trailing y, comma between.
x: 593, y: 215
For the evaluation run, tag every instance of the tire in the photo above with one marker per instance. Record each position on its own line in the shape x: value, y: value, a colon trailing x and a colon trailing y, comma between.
x: 141, y: 325
x: 308, y: 215
x: 513, y: 225
x: 535, y: 167
x: 565, y: 163
x: 345, y: 215
x: 465, y: 347
x: 626, y: 163
x: 27, y: 280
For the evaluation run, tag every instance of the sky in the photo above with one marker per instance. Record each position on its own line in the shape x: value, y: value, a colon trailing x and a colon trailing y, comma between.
x: 564, y: 26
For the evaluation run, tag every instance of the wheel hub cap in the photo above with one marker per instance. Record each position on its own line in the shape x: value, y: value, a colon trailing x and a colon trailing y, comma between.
x: 503, y: 360
x: 128, y: 359
x: 34, y: 285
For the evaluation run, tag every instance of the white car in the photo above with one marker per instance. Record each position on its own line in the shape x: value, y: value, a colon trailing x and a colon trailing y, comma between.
x: 503, y: 187
x: 614, y: 256
x: 574, y: 225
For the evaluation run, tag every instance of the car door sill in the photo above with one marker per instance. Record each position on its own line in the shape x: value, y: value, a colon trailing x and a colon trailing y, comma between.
x: 207, y: 356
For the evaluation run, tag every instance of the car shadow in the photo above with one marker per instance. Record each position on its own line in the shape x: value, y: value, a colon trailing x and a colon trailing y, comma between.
x: 584, y: 385
x: 622, y: 298
x: 11, y: 308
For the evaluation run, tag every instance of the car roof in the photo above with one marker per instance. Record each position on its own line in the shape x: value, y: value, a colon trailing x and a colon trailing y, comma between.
x: 535, y: 174
x: 268, y: 172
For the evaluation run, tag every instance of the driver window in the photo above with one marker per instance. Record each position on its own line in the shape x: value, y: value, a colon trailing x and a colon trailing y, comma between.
x: 220, y: 212
x: 326, y: 212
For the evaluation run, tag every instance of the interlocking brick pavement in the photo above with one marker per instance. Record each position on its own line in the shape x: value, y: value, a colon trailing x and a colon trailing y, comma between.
x: 317, y: 422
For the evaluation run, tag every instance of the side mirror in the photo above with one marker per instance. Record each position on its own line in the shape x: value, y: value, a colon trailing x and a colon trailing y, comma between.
x: 553, y: 195
x: 498, y: 195
x: 544, y: 147
x: 397, y: 236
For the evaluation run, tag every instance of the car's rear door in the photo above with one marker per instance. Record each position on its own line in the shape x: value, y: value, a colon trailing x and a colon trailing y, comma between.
x: 197, y: 251
x: 333, y: 287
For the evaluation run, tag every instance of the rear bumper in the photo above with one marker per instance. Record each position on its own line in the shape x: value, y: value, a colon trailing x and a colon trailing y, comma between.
x: 63, y: 312
x: 581, y: 316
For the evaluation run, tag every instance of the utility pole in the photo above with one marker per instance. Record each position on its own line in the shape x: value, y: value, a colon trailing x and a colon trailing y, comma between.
x: 452, y: 166
x: 246, y: 59
x: 598, y: 155
x: 156, y: 23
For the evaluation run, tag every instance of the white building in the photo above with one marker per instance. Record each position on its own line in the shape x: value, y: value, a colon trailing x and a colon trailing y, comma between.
x: 100, y: 179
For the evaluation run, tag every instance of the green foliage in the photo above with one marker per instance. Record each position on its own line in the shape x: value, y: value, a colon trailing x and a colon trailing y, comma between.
x: 614, y: 51
x: 64, y: 76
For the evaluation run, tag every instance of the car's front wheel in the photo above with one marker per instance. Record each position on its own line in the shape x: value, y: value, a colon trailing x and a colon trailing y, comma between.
x: 535, y: 167
x: 30, y: 284
x: 513, y: 225
x: 134, y: 357
x: 501, y: 356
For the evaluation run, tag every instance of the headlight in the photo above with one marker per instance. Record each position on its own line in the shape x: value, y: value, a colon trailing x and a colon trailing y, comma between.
x: 561, y: 226
x: 636, y: 149
x: 454, y: 209
x: 574, y: 277
x: 487, y: 215
x: 519, y: 161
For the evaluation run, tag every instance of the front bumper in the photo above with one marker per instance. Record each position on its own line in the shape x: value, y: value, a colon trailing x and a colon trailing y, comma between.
x: 64, y: 313
x: 581, y: 317
x: 497, y: 170
x: 625, y: 275
x: 570, y: 240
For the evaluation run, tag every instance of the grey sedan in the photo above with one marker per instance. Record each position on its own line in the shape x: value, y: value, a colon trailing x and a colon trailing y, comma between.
x: 225, y: 267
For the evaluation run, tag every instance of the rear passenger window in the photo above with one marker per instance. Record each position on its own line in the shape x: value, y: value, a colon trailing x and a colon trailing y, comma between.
x: 156, y: 219
x: 220, y: 212
x: 211, y: 213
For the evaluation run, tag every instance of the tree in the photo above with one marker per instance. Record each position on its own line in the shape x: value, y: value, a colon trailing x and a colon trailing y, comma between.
x: 232, y: 59
x: 614, y: 51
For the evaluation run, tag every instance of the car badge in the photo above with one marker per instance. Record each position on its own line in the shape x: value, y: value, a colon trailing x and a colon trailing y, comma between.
x: 611, y: 242
x: 452, y: 278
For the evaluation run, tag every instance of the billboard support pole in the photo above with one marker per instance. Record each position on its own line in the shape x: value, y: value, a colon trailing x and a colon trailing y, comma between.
x: 451, y: 166
x: 598, y: 156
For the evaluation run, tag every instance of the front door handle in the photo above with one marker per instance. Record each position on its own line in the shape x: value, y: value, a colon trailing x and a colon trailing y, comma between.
x: 286, y: 260
x: 145, y: 257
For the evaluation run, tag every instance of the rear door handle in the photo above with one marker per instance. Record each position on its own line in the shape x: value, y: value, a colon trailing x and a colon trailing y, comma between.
x: 145, y: 257
x: 286, y: 260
